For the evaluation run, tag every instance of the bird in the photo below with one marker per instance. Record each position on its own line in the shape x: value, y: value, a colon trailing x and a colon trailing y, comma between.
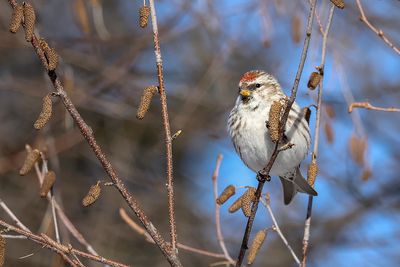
x: 248, y: 129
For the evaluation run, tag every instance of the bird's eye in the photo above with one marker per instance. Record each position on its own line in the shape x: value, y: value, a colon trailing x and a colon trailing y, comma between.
x: 258, y: 85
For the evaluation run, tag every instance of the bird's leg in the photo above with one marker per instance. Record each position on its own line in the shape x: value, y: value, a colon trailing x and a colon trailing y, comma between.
x: 262, y: 177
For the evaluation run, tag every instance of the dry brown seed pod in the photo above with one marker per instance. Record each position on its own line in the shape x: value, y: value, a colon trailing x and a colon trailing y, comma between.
x: 256, y: 245
x: 357, y: 147
x: 16, y: 18
x: 29, y: 20
x: 273, y: 120
x: 338, y: 3
x: 30, y: 160
x: 48, y: 182
x: 2, y: 250
x: 296, y: 29
x: 144, y: 13
x: 145, y: 101
x: 330, y: 135
x: 247, y: 199
x: 314, y: 80
x: 92, y: 195
x: 236, y: 205
x: 226, y: 194
x: 312, y: 173
x: 45, y: 114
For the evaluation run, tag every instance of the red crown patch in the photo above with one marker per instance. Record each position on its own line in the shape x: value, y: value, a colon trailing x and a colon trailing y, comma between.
x: 249, y: 76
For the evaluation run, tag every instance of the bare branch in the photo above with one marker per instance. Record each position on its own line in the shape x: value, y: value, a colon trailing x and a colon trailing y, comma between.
x: 367, y: 105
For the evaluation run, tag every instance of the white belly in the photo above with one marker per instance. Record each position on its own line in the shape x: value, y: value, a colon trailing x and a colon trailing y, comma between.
x: 254, y: 146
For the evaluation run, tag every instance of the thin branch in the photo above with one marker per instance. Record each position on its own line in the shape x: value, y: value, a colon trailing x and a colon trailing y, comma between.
x: 321, y: 68
x: 378, y: 32
x: 12, y: 216
x: 167, y: 129
x: 87, y: 133
x: 367, y: 105
x: 264, y: 174
x: 278, y: 230
x: 134, y: 226
x: 55, y: 246
x: 217, y: 210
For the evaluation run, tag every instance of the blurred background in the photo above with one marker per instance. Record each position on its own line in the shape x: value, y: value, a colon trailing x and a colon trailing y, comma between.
x: 107, y: 60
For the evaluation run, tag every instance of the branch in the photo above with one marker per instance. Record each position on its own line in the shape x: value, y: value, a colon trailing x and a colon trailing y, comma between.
x: 321, y: 68
x: 167, y: 129
x: 378, y: 32
x: 217, y: 209
x: 87, y: 133
x: 278, y: 230
x: 57, y: 247
x: 367, y: 105
x: 264, y: 174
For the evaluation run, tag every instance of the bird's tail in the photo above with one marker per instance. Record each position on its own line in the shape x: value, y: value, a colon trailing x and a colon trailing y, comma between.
x: 293, y: 184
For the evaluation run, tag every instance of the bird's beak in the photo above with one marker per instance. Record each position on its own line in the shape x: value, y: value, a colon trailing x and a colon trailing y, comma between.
x: 245, y: 93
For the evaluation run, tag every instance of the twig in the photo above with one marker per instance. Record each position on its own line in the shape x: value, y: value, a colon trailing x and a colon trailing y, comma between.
x: 59, y: 247
x: 12, y: 216
x: 264, y: 174
x: 278, y: 230
x: 143, y: 232
x: 167, y: 129
x: 87, y: 133
x: 367, y: 105
x: 217, y: 210
x: 307, y: 225
x: 378, y: 32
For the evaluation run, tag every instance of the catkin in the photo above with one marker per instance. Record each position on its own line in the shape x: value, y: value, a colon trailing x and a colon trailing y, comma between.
x: 256, y: 245
x: 338, y: 3
x: 247, y: 199
x: 236, y: 205
x: 50, y: 53
x: 30, y: 160
x: 273, y: 120
x: 92, y: 195
x: 48, y: 182
x: 312, y: 173
x: 226, y: 194
x: 296, y: 29
x: 330, y: 135
x: 2, y: 250
x: 145, y: 101
x: 45, y: 114
x: 314, y: 80
x: 29, y: 20
x: 16, y: 18
x: 358, y: 147
x: 144, y: 13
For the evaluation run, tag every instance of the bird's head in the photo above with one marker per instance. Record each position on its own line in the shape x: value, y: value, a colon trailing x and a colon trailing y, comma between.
x: 257, y: 83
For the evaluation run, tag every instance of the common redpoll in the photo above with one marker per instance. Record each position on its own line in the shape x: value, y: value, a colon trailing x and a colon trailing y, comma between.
x: 248, y: 128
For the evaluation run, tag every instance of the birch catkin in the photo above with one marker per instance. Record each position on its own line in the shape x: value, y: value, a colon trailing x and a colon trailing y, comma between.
x: 48, y: 182
x: 92, y: 195
x: 226, y: 194
x: 50, y: 53
x: 273, y: 120
x: 312, y: 172
x: 145, y: 101
x: 247, y: 199
x: 2, y: 250
x: 29, y: 20
x: 31, y: 158
x: 16, y: 18
x: 45, y: 114
x: 256, y: 245
x: 144, y: 13
x: 314, y: 80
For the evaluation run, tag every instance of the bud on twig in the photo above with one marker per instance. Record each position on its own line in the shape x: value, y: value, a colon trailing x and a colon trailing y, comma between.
x: 226, y: 194
x: 92, y: 195
x: 256, y: 245
x: 30, y: 160
x: 338, y: 3
x: 314, y: 80
x: 144, y: 13
x: 16, y: 18
x: 312, y: 172
x: 273, y: 120
x: 175, y: 135
x: 48, y: 182
x: 45, y: 114
x: 29, y: 20
x: 145, y: 101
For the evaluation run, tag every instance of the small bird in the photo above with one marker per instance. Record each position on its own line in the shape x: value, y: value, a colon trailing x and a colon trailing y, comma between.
x: 248, y: 128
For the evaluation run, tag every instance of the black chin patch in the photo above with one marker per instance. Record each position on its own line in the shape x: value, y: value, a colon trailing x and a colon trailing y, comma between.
x: 245, y: 99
